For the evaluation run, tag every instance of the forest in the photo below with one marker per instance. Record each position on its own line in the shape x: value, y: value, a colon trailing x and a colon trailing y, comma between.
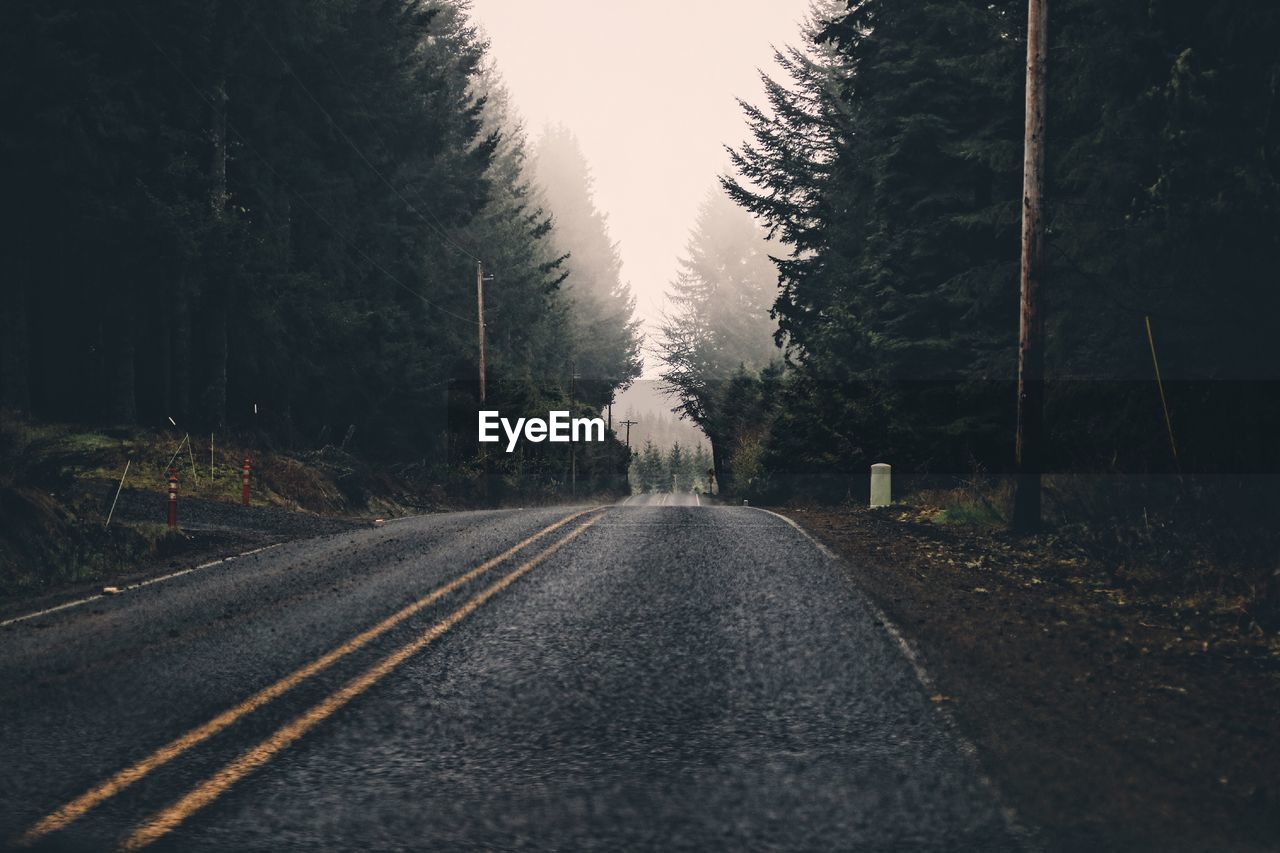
x: 266, y: 262
x: 272, y: 219
x: 885, y: 166
x: 269, y: 219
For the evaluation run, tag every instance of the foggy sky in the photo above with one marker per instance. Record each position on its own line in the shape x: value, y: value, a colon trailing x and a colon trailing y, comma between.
x: 649, y: 90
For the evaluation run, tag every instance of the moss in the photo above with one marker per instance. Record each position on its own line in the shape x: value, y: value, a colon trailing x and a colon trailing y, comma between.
x: 974, y: 513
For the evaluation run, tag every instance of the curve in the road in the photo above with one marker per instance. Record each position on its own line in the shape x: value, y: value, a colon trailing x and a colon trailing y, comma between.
x: 672, y: 677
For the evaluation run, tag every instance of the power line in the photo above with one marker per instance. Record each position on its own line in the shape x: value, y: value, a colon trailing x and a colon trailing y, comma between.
x: 437, y: 226
x: 373, y: 129
x: 337, y: 72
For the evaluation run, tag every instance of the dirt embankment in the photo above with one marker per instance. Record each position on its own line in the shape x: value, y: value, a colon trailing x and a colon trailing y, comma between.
x: 58, y: 486
x: 1115, y: 717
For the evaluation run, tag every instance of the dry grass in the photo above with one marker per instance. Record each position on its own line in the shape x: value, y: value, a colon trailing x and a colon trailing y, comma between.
x: 52, y: 534
x: 1194, y: 543
x: 1121, y: 711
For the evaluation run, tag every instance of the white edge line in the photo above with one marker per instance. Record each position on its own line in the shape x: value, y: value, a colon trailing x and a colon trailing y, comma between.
x: 148, y: 582
x: 967, y: 747
x: 46, y: 612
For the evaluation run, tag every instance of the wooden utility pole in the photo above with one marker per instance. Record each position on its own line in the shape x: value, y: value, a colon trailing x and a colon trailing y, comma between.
x: 628, y: 424
x: 1029, y: 448
x: 480, y: 320
x: 573, y: 444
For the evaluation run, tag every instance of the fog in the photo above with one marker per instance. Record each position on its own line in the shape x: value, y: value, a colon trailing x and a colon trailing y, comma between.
x: 649, y: 90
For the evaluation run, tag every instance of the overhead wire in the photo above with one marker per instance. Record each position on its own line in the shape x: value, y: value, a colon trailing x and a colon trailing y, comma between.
x: 437, y: 226
x: 490, y: 268
x: 342, y: 78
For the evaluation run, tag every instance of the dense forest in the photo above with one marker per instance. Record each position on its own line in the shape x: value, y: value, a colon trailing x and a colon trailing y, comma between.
x: 270, y: 217
x: 887, y: 162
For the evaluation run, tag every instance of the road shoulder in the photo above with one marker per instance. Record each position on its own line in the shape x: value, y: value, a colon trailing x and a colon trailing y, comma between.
x: 1107, y: 727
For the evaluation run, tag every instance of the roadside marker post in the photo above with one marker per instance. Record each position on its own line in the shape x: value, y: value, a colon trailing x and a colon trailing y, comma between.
x: 881, y: 488
x: 173, y: 498
x: 244, y: 484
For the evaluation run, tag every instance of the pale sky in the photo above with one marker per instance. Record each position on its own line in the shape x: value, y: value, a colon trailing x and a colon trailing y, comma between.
x: 649, y: 89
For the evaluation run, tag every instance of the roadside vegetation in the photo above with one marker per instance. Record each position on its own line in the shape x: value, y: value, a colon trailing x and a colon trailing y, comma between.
x: 680, y: 469
x: 869, y: 313
x: 264, y: 223
x: 268, y: 220
x: 58, y: 485
x: 59, y: 482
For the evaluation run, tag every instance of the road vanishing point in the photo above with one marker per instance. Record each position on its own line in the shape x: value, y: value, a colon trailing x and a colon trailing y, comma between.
x: 660, y: 674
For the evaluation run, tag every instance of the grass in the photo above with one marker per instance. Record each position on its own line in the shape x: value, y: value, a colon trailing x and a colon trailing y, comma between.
x: 54, y: 455
x: 972, y: 505
x: 52, y: 532
x: 1205, y: 543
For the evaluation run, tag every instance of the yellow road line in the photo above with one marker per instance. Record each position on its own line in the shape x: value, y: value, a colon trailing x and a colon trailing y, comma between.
x: 170, y: 818
x: 76, y: 809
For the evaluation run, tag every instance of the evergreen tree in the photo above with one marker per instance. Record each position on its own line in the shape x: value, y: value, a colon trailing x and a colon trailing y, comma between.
x: 890, y: 166
x: 603, y: 344
x: 652, y: 469
x: 678, y: 468
x: 232, y: 207
x: 720, y: 327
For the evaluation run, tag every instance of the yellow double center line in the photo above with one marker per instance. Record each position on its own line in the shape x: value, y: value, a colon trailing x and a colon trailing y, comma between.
x: 213, y: 787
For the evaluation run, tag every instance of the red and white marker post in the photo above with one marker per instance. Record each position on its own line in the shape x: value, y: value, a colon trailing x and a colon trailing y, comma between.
x: 244, y: 484
x: 173, y: 498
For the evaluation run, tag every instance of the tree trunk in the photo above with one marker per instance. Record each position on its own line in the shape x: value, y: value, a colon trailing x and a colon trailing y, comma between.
x: 121, y: 386
x: 724, y: 475
x: 217, y: 282
x: 214, y: 397
x: 180, y: 352
x: 15, y: 352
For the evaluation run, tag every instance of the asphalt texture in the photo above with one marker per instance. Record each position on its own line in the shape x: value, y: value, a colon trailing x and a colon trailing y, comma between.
x: 665, y: 678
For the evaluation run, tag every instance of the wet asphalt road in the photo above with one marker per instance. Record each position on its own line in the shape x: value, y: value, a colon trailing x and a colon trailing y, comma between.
x: 664, y: 678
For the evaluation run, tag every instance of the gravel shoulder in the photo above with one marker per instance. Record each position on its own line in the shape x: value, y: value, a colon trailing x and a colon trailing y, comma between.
x: 207, y: 530
x: 1112, y: 724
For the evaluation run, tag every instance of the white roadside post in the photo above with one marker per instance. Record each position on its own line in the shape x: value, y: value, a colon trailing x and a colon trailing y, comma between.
x: 881, y: 491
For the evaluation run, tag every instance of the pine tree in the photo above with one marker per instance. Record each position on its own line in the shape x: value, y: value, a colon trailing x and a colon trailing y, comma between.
x: 720, y: 327
x: 604, y: 340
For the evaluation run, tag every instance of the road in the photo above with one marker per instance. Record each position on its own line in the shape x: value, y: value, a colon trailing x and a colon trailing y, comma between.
x: 627, y: 677
x: 664, y: 499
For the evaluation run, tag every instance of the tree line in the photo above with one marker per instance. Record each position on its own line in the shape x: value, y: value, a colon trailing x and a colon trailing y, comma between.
x: 271, y: 216
x: 887, y: 163
x: 678, y: 470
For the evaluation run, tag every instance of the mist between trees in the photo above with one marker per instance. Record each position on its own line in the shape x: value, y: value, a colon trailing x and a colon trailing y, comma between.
x: 886, y: 167
x: 231, y: 207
